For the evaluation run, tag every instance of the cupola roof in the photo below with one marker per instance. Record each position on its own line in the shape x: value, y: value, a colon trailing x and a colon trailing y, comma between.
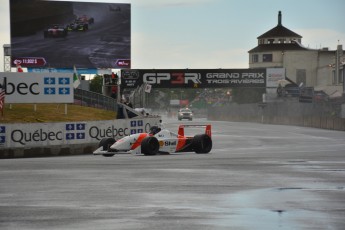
x: 279, y: 31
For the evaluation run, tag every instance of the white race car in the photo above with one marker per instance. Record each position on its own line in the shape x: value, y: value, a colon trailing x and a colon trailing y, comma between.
x: 157, y: 140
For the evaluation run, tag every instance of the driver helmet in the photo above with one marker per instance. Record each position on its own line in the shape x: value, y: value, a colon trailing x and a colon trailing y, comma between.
x: 154, y: 130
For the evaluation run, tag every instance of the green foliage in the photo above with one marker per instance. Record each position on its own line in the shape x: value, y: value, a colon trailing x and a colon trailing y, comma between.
x: 96, y: 84
x: 53, y: 113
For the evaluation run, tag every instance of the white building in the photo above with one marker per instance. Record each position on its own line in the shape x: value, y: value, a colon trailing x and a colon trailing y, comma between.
x: 282, y: 48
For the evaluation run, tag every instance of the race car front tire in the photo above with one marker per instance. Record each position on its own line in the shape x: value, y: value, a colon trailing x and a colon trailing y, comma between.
x: 106, y: 143
x: 149, y: 146
x: 202, y: 143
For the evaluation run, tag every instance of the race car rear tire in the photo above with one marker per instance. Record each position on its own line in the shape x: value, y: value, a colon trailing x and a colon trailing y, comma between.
x: 149, y: 146
x: 202, y: 143
x: 106, y: 143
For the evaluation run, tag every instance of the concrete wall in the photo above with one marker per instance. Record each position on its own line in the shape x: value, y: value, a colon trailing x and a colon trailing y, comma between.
x: 293, y: 113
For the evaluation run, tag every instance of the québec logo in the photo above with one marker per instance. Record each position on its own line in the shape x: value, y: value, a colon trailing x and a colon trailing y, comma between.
x: 137, y: 127
x: 57, y: 85
x: 2, y: 135
x: 75, y: 131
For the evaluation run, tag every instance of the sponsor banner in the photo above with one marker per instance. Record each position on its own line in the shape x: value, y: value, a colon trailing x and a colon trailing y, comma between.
x: 68, y: 70
x: 38, y: 87
x: 174, y: 102
x: 49, y: 134
x: 29, y: 61
x: 194, y: 78
x: 123, y: 63
x: 274, y: 75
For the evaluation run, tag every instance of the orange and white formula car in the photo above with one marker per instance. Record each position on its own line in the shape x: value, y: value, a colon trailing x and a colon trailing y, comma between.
x: 156, y: 141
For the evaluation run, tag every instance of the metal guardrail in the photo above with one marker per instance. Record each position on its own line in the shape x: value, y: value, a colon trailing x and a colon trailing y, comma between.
x: 95, y: 100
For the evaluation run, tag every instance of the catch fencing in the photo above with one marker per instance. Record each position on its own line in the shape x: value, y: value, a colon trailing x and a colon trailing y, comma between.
x: 324, y: 116
x: 95, y: 100
x: 138, y: 97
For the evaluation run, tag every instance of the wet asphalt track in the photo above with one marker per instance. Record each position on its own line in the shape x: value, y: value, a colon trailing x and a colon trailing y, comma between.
x: 256, y: 177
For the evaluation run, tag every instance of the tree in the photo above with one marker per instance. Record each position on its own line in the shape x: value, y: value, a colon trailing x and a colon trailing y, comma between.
x: 96, y: 84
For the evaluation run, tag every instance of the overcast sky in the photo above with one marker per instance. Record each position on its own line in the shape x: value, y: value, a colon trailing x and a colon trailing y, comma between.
x: 215, y: 33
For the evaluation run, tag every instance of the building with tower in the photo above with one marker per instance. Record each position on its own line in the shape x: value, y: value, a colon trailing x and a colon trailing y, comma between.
x: 282, y: 48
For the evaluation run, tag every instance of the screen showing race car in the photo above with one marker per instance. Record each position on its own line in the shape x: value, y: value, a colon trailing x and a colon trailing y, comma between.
x: 64, y: 34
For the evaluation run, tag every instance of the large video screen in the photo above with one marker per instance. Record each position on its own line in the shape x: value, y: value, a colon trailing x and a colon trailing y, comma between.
x: 64, y: 34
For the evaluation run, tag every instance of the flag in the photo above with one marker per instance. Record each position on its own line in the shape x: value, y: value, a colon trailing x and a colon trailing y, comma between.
x: 148, y: 88
x: 76, y: 81
x: 19, y: 68
x: 2, y: 97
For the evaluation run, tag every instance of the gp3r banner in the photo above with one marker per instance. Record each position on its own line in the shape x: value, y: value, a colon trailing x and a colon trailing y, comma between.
x: 194, y: 78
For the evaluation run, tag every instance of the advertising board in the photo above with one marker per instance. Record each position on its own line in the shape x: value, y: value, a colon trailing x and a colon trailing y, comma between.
x: 194, y: 78
x: 274, y: 75
x: 37, y: 87
x: 25, y: 135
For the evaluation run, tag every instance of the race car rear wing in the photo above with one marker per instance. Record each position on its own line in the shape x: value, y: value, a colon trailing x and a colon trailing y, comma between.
x: 207, y: 129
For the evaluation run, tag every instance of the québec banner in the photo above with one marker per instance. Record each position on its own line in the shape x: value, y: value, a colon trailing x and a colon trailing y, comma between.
x: 27, y: 135
x: 38, y: 87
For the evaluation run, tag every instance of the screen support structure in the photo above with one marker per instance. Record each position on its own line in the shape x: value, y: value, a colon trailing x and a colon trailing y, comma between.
x: 7, y: 57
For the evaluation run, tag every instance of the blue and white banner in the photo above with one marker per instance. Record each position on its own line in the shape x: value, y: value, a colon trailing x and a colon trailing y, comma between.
x: 47, y: 134
x: 38, y: 87
x: 67, y: 70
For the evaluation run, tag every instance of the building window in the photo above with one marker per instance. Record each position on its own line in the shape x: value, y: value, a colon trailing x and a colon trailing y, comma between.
x: 341, y: 74
x: 270, y: 41
x: 301, y: 76
x: 255, y: 58
x: 334, y: 80
x: 281, y: 40
x: 267, y: 58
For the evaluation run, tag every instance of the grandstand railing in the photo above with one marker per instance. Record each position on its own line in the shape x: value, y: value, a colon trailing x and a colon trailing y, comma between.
x: 95, y: 100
